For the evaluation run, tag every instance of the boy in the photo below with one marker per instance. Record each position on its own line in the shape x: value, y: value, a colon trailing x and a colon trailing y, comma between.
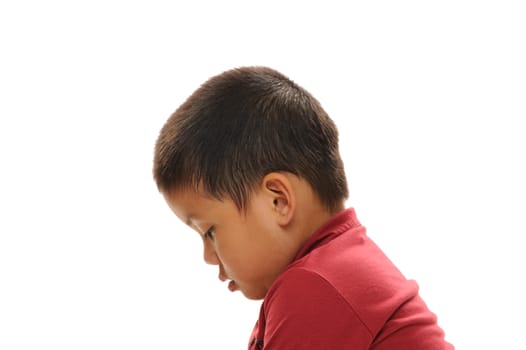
x: 251, y: 162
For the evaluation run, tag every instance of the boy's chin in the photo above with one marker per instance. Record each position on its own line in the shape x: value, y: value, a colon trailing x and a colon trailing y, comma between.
x: 251, y: 294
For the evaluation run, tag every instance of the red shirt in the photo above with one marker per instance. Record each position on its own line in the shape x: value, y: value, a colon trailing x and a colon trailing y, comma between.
x: 342, y: 292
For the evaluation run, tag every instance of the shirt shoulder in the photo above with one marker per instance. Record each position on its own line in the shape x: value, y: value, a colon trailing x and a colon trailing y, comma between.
x: 358, y: 270
x: 304, y: 311
x: 343, y: 292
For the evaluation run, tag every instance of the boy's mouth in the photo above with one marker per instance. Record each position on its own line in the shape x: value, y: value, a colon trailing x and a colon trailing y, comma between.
x: 232, y: 286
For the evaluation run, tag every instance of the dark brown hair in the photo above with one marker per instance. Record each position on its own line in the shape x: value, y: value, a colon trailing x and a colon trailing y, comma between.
x: 243, y: 124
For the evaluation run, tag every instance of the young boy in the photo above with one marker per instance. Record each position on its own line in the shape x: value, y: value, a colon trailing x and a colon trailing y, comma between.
x: 251, y: 162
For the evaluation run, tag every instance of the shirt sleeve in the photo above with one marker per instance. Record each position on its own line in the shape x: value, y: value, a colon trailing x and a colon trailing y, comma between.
x: 304, y: 311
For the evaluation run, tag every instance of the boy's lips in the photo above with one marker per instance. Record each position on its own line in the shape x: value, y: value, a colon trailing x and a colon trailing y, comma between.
x: 232, y: 286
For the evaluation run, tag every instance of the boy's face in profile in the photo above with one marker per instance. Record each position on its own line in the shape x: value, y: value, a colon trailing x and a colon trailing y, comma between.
x: 250, y: 248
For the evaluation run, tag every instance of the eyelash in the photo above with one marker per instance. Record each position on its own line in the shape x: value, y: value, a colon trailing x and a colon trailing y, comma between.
x: 209, y: 234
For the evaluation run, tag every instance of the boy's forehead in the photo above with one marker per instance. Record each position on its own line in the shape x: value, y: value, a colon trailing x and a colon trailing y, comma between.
x: 182, y: 202
x: 187, y: 203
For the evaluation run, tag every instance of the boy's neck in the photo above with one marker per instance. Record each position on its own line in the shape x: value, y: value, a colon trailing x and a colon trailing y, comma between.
x: 311, y: 214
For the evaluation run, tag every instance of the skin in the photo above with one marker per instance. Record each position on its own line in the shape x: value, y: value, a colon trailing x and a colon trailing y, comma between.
x: 252, y: 247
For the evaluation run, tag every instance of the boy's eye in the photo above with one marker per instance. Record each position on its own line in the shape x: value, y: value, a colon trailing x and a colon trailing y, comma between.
x: 209, y: 234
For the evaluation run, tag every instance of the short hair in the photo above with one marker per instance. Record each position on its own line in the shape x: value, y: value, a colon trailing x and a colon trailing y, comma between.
x: 241, y: 125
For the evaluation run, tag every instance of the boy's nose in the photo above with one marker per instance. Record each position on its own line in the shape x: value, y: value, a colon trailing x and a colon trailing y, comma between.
x: 209, y: 255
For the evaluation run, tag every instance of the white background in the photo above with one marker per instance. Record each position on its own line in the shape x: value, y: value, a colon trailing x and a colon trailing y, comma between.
x: 430, y: 101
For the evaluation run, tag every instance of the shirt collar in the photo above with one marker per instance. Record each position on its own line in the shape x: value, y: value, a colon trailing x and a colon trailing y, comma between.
x: 334, y: 227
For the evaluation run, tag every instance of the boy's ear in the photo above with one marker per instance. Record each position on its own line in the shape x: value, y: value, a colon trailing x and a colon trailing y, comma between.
x: 281, y: 196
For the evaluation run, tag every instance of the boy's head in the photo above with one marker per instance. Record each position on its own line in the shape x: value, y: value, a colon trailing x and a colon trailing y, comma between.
x: 250, y: 161
x: 243, y: 124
